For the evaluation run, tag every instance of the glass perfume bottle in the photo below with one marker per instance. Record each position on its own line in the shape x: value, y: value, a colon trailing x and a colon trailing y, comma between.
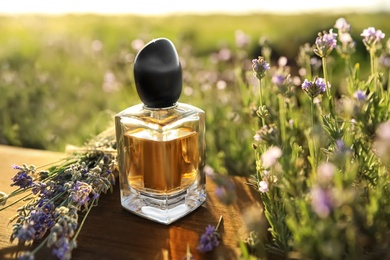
x: 161, y: 142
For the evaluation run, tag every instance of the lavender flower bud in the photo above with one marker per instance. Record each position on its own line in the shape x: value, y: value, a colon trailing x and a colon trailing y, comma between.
x: 315, y: 87
x: 260, y: 66
x: 210, y: 239
x: 371, y: 37
x: 325, y: 43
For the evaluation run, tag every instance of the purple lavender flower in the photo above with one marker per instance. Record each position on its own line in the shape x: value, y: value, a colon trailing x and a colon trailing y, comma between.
x: 26, y: 256
x: 371, y: 37
x: 260, y: 66
x: 26, y: 232
x: 325, y: 43
x: 242, y: 39
x: 321, y: 84
x: 315, y: 87
x: 306, y: 85
x: 38, y: 187
x: 322, y: 201
x: 22, y: 179
x: 63, y: 250
x: 41, y: 220
x: 209, y: 240
x: 80, y: 193
x: 340, y: 145
x: 278, y: 79
x: 360, y: 95
x: 384, y: 60
x: 342, y: 25
x: 226, y: 192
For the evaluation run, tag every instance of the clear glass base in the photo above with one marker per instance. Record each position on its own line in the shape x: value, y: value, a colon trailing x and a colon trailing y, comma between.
x: 162, y: 208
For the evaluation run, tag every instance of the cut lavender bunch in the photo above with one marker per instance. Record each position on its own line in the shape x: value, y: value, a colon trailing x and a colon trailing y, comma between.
x: 54, y: 197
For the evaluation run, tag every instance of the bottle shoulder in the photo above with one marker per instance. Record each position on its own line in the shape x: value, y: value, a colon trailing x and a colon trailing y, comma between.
x: 162, y: 116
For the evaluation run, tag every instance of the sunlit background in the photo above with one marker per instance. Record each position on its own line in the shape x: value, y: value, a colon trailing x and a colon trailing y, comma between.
x: 66, y: 66
x: 173, y: 6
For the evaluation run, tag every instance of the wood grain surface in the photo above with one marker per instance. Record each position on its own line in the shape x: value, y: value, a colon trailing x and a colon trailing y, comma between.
x: 110, y: 232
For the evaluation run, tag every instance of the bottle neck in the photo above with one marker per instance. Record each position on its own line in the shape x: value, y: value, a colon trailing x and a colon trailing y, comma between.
x: 159, y: 108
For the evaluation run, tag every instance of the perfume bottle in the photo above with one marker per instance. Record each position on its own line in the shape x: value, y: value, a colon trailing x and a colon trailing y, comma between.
x: 160, y: 142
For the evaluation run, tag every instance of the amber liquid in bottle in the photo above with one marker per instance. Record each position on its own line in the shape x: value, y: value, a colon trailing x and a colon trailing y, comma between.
x: 161, y: 164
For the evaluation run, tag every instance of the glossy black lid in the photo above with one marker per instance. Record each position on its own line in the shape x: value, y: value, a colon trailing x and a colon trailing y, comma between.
x: 158, y: 74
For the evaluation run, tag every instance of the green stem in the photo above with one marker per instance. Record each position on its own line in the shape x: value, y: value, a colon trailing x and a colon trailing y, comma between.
x: 348, y: 66
x: 308, y: 68
x: 388, y: 88
x: 39, y: 246
x: 54, y: 198
x: 16, y: 201
x: 282, y: 119
x: 373, y: 68
x: 219, y: 223
x: 261, y: 102
x: 312, y: 134
x: 84, y: 218
x: 328, y: 92
x: 312, y: 113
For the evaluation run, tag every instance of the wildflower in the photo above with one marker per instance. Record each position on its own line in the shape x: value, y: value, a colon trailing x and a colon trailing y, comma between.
x: 304, y: 54
x: 208, y: 170
x: 360, y: 95
x: 96, y: 45
x: 26, y: 256
x: 137, y: 44
x: 260, y: 66
x: 224, y: 54
x: 242, y: 39
x: 38, y: 187
x: 342, y: 25
x: 263, y: 186
x: 80, y: 193
x: 381, y: 144
x: 315, y: 87
x: 26, y: 232
x: 23, y: 178
x: 225, y: 191
x: 210, y: 239
x: 325, y: 173
x: 322, y: 201
x: 371, y: 37
x: 268, y: 134
x: 325, y: 43
x: 384, y: 59
x: 347, y: 46
x: 270, y: 157
x: 277, y: 79
x: 257, y: 137
x: 41, y: 220
x: 63, y: 249
x: 340, y: 145
x: 282, y: 61
x: 282, y: 81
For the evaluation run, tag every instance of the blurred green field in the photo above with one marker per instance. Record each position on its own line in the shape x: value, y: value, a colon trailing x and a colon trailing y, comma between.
x: 62, y: 78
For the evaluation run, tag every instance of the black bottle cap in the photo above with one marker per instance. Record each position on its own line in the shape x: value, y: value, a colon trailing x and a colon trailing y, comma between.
x: 158, y: 74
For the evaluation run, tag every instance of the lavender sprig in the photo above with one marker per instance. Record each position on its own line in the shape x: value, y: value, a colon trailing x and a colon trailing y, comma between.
x: 211, y: 238
x: 57, y: 195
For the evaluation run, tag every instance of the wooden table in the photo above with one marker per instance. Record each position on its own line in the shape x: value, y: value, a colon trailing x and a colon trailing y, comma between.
x: 110, y: 232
